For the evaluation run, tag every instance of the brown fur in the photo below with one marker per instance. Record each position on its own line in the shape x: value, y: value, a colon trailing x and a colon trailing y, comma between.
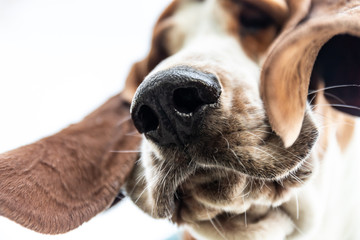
x: 59, y: 182
x: 256, y: 41
x: 328, y: 116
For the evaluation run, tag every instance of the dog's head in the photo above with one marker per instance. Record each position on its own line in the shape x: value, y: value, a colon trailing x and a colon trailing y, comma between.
x: 201, y: 111
x: 224, y: 113
x: 221, y: 101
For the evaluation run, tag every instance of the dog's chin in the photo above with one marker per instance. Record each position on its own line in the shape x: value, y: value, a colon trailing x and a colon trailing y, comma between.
x: 212, y: 176
x: 220, y: 193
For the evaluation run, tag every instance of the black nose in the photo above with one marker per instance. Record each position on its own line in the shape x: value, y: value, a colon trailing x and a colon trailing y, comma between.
x: 169, y: 106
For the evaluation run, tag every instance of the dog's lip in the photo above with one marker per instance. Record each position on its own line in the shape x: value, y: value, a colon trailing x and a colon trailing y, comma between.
x: 193, y: 161
x: 165, y: 194
x: 170, y: 203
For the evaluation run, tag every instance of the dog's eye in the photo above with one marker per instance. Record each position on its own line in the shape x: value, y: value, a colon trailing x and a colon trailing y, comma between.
x: 253, y: 19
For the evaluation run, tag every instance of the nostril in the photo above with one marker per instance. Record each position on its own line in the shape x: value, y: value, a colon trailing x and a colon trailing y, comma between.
x: 148, y: 119
x: 187, y: 100
x: 169, y: 106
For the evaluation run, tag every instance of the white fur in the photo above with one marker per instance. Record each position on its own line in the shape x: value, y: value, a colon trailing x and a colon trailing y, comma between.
x: 324, y: 207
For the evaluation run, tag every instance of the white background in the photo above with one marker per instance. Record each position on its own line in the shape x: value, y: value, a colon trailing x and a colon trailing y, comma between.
x: 59, y: 60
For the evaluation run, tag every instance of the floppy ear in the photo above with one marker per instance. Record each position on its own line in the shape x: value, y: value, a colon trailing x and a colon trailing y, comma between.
x: 59, y: 182
x: 288, y: 67
x: 54, y: 185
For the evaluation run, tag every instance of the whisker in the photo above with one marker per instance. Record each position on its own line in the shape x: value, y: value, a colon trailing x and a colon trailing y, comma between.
x: 281, y: 182
x: 239, y: 161
x: 296, y: 178
x: 297, y: 228
x: 227, y: 142
x: 339, y: 105
x: 245, y: 216
x: 265, y: 152
x: 126, y: 151
x: 215, y: 227
x: 334, y: 97
x: 162, y: 182
x: 262, y: 184
x: 263, y: 131
x: 333, y: 87
x: 133, y: 133
x: 267, y: 187
x: 284, y: 149
x: 324, y: 117
x: 312, y: 99
x: 139, y: 179
x: 141, y: 194
x: 297, y: 206
x: 124, y: 120
x: 262, y: 140
x: 241, y: 193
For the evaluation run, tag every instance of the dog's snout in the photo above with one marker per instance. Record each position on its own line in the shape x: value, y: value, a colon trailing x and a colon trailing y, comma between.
x: 169, y: 106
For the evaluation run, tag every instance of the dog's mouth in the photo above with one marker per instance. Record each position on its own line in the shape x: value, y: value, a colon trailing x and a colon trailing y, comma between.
x: 207, y: 164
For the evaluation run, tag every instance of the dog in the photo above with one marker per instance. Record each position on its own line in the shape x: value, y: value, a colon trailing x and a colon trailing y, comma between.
x: 247, y: 111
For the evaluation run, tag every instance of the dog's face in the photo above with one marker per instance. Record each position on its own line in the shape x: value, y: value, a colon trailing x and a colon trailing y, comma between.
x: 208, y: 147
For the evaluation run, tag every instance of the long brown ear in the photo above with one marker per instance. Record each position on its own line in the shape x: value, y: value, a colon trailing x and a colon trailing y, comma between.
x: 56, y: 184
x: 288, y: 67
x: 59, y: 182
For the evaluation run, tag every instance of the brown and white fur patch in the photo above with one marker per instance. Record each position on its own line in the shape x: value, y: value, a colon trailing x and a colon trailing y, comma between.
x: 236, y: 180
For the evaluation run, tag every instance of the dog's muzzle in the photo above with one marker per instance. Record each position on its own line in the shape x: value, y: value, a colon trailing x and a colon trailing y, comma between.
x: 169, y: 106
x: 180, y: 111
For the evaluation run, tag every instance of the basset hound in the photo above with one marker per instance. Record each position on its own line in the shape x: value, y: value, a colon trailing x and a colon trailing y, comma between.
x: 247, y: 112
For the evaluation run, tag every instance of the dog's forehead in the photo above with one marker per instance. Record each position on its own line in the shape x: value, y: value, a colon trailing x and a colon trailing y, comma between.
x: 200, y: 9
x: 192, y: 18
x: 208, y: 18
